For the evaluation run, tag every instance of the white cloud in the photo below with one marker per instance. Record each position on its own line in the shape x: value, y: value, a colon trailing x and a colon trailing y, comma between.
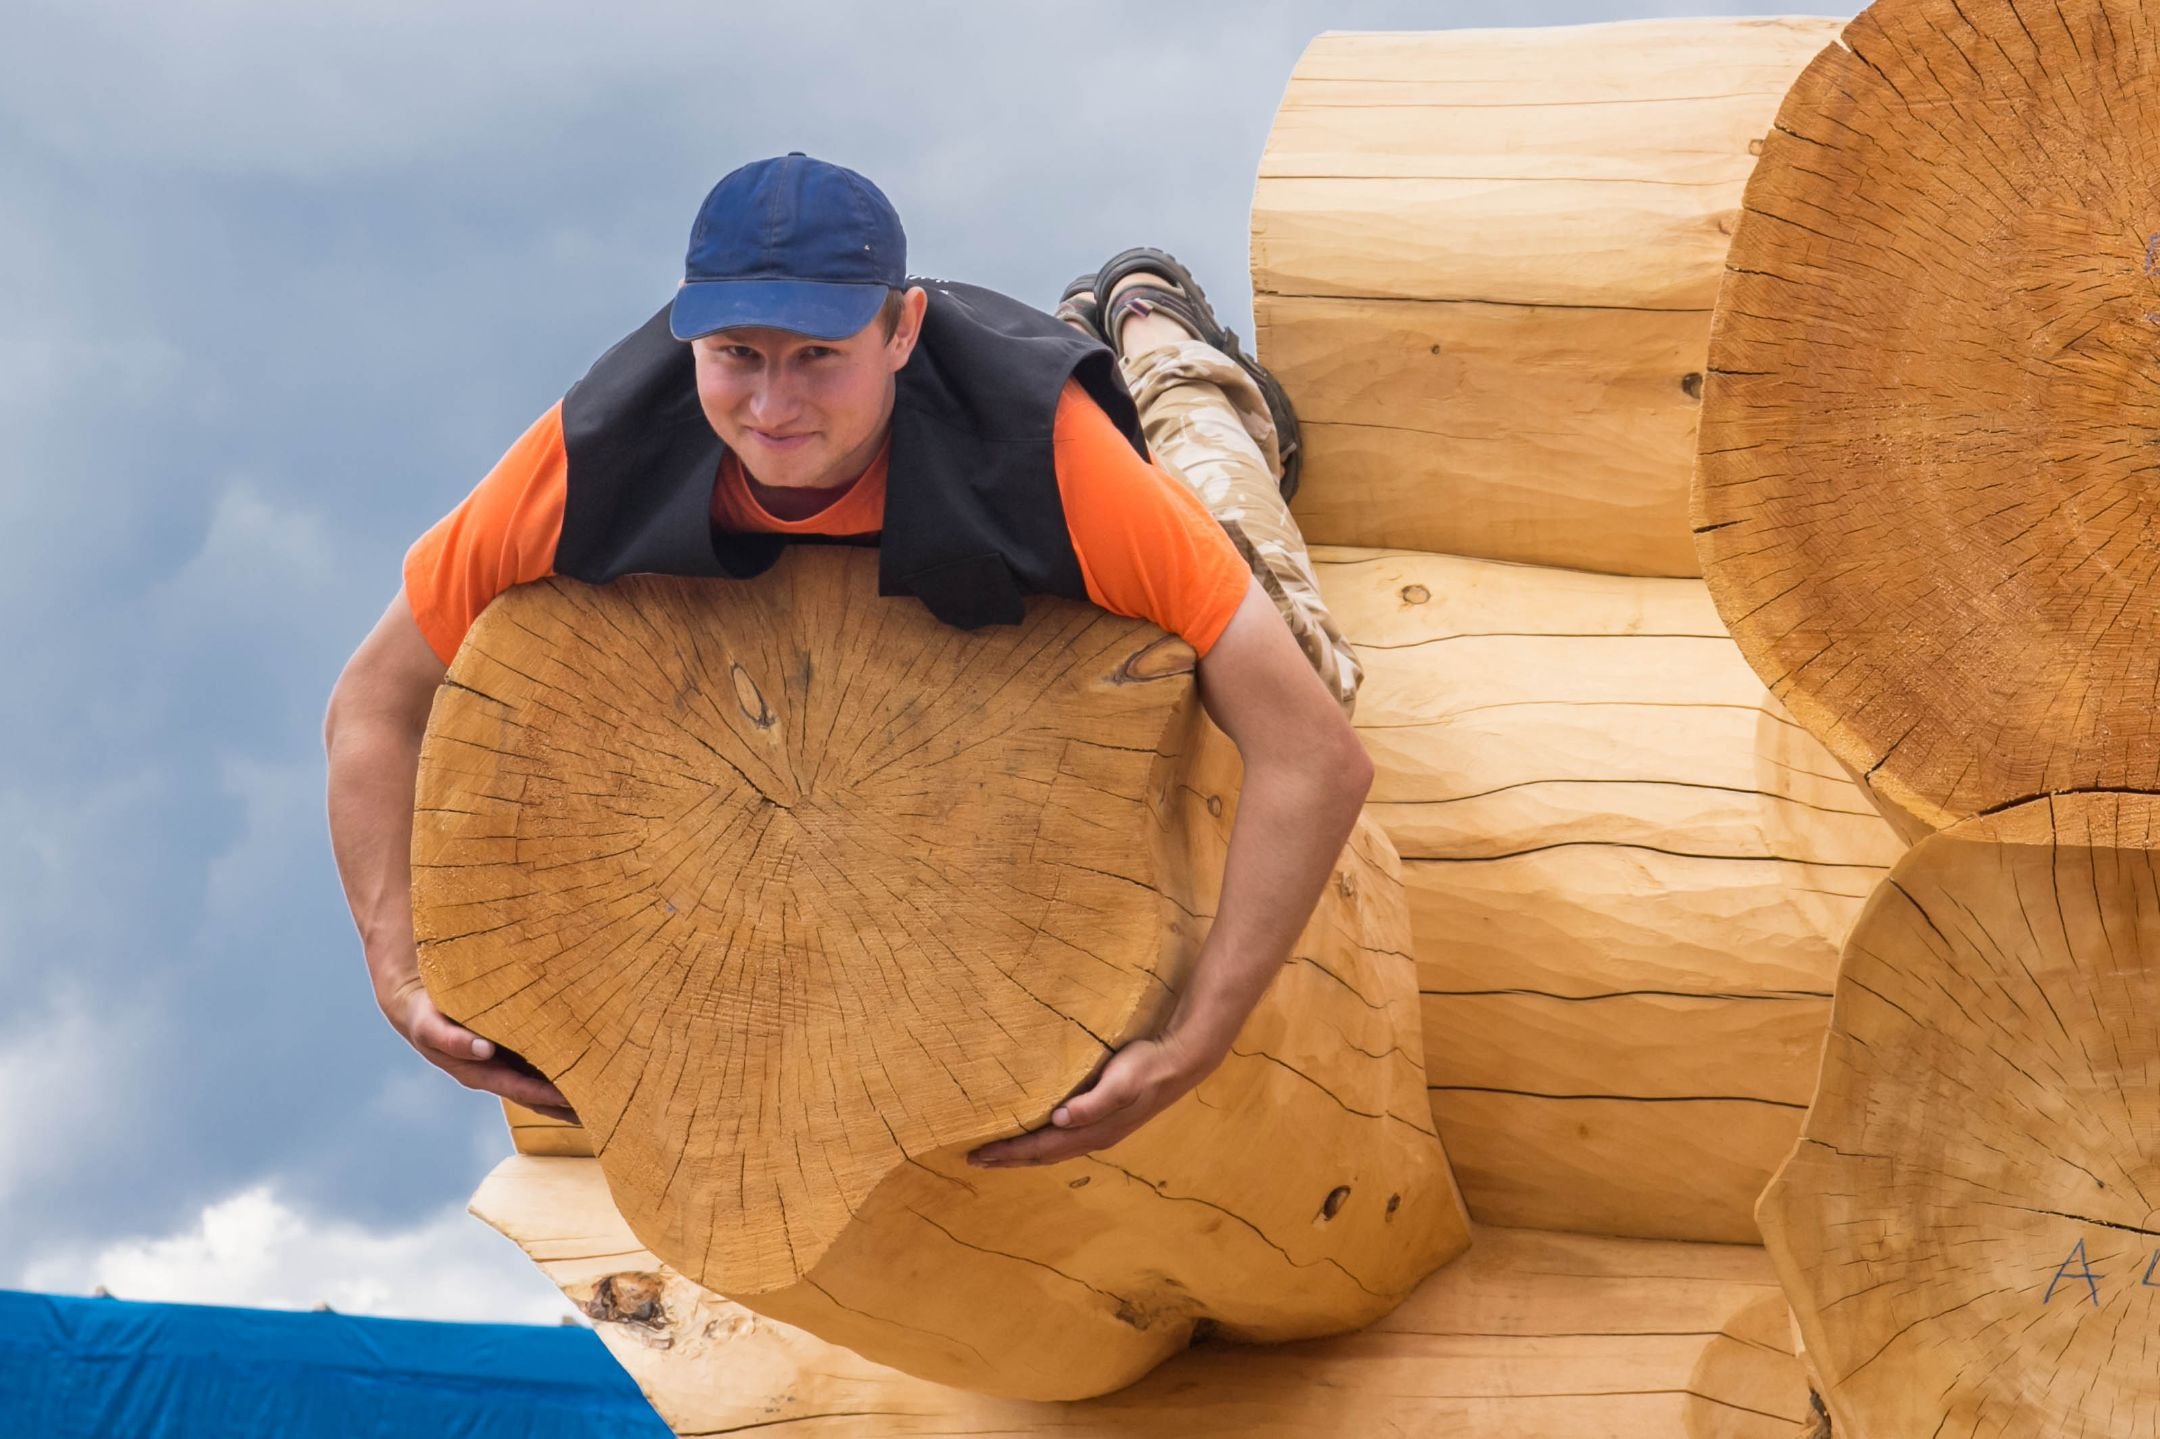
x: 254, y: 1249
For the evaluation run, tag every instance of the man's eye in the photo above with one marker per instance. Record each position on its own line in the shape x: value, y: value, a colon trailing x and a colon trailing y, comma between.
x: 818, y: 352
x: 738, y: 352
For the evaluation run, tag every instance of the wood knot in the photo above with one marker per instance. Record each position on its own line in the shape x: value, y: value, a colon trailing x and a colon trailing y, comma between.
x: 1394, y: 1202
x: 1691, y: 383
x: 750, y: 698
x: 1332, y: 1205
x: 1160, y: 660
x: 1346, y: 884
x: 1415, y: 594
x: 629, y: 1298
x: 1080, y: 1183
x: 1755, y: 146
x: 1435, y: 349
x: 1214, y: 805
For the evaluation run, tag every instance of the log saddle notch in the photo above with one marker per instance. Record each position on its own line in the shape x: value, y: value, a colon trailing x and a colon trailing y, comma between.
x: 797, y: 897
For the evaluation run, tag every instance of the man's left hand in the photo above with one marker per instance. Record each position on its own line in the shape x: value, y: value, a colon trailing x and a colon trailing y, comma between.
x: 1134, y: 1085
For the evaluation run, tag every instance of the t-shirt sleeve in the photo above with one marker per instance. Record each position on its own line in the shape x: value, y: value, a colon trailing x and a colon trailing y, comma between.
x: 504, y: 533
x: 1148, y: 546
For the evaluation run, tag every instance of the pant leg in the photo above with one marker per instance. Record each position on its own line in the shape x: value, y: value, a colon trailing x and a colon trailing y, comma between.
x: 1206, y: 422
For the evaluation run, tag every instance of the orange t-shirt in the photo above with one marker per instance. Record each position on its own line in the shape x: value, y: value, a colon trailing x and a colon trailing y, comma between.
x: 1147, y: 546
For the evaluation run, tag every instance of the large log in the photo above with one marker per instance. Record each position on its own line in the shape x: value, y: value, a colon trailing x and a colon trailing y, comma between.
x: 1968, y: 1229
x: 798, y: 895
x: 1528, y: 1335
x: 1484, y: 263
x: 1629, y: 873
x: 1925, y: 501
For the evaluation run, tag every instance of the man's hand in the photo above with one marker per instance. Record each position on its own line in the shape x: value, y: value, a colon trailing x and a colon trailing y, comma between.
x: 466, y: 1057
x: 1128, y: 1089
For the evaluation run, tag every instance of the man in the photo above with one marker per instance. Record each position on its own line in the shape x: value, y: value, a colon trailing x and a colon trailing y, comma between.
x: 799, y: 389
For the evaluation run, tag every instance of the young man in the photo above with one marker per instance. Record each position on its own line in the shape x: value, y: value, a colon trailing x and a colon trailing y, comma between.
x: 799, y: 389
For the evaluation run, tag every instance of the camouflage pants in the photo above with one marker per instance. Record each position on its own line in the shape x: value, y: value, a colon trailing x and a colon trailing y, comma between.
x: 1207, y: 423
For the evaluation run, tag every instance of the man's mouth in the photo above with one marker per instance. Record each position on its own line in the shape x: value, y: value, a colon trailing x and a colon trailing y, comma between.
x: 781, y: 442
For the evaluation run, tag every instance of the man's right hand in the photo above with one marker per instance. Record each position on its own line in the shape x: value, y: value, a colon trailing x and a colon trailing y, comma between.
x: 466, y: 1057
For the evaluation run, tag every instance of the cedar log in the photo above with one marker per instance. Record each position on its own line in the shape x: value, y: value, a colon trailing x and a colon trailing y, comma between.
x: 1484, y: 263
x: 1925, y: 500
x: 798, y: 895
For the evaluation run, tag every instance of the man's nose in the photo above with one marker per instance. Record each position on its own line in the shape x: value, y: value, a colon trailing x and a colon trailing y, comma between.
x: 773, y: 402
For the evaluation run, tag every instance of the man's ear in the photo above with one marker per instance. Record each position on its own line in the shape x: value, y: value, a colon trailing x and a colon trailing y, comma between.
x: 913, y: 306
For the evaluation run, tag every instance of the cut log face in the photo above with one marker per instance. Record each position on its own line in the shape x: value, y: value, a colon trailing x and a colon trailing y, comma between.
x: 1484, y: 263
x: 797, y: 895
x: 1968, y: 1227
x: 1528, y: 1334
x: 1629, y: 875
x: 1924, y: 501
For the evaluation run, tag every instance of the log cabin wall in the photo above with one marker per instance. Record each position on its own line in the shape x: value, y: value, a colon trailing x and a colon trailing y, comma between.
x: 1484, y: 264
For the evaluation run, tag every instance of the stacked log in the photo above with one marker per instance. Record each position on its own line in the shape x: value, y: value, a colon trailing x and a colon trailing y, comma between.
x: 1485, y: 264
x: 1529, y: 1333
x: 798, y: 896
x: 1923, y: 505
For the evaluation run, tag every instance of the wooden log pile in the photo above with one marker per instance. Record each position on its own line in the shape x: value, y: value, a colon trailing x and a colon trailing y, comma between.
x: 1619, y: 852
x: 1925, y: 508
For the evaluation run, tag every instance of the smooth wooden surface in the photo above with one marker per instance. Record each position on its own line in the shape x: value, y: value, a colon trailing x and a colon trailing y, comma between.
x: 1925, y: 499
x: 1484, y: 263
x: 1982, y: 1138
x: 799, y: 895
x: 1629, y: 875
x: 1529, y: 1335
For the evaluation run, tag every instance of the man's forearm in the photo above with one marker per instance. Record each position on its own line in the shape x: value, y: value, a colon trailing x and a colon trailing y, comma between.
x: 373, y: 761
x: 1292, y: 821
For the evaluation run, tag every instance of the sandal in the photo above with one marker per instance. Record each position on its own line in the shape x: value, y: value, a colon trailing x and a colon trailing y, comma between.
x: 1188, y: 305
x: 1078, y: 306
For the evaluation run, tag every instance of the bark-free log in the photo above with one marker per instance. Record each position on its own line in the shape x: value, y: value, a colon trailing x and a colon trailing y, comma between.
x: 1629, y: 874
x: 1528, y: 1335
x: 798, y: 895
x: 1925, y: 500
x: 1484, y: 263
x: 1970, y: 1228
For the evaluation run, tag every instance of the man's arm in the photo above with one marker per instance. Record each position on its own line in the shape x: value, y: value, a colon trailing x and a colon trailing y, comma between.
x: 1306, y: 777
x: 377, y: 716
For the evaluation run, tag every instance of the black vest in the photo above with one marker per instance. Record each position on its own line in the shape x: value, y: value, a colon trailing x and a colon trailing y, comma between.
x: 973, y: 520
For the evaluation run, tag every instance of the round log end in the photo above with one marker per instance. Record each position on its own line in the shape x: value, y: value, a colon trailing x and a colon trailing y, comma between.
x: 1924, y: 500
x: 784, y: 884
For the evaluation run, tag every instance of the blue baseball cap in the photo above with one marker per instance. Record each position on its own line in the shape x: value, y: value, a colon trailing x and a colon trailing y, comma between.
x: 792, y: 244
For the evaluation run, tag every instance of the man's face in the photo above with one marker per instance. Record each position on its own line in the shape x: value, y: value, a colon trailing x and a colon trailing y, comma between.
x: 803, y: 413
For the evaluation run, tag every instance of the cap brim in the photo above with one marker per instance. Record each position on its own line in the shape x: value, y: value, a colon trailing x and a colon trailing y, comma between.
x: 822, y: 310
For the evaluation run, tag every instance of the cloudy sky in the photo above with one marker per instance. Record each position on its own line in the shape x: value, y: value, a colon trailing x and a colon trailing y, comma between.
x: 278, y: 283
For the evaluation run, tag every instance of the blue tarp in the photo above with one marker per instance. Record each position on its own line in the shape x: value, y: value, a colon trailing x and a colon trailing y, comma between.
x: 112, y: 1369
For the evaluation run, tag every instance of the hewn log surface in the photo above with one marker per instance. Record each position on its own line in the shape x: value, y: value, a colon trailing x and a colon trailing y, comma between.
x: 1528, y: 1335
x: 1925, y: 500
x: 799, y: 895
x: 1484, y: 262
x: 1969, y: 1228
x: 1629, y: 872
